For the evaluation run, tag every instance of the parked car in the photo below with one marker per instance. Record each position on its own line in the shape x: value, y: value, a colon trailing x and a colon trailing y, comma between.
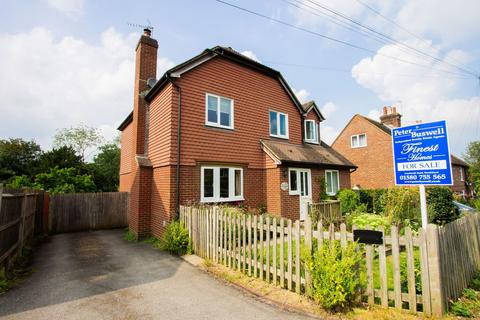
x: 463, y: 207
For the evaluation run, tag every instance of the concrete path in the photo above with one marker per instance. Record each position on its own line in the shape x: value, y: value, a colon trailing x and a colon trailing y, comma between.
x: 98, y: 275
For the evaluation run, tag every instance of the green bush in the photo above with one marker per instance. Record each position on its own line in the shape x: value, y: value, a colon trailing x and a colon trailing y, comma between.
x: 441, y: 209
x: 349, y: 200
x: 373, y: 199
x: 175, y: 239
x: 476, y: 204
x: 402, y: 204
x: 417, y: 271
x: 373, y: 220
x: 459, y: 308
x: 336, y: 275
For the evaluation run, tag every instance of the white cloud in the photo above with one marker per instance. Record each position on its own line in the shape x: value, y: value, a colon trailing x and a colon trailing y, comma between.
x: 328, y: 109
x: 302, y: 94
x: 328, y: 133
x: 425, y: 94
x: 452, y: 21
x: 47, y: 83
x: 72, y: 8
x: 251, y: 55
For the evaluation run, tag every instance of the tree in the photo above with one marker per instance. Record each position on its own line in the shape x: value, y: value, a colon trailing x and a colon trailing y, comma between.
x: 106, y: 167
x: 18, y: 157
x: 472, y: 156
x: 64, y: 180
x: 63, y: 157
x: 79, y: 138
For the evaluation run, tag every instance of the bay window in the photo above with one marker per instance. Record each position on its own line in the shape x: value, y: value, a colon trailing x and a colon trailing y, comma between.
x: 221, y: 184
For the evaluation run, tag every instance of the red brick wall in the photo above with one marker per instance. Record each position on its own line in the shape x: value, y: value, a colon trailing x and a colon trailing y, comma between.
x: 162, y: 198
x: 375, y: 161
x: 126, y: 158
x: 253, y: 93
x: 459, y: 185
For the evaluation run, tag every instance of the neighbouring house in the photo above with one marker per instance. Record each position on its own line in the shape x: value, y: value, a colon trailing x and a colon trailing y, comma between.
x: 221, y: 128
x: 368, y: 144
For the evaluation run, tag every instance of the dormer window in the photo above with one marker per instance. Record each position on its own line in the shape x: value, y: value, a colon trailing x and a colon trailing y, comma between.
x: 219, y: 111
x: 359, y: 140
x: 311, y: 131
x: 278, y: 124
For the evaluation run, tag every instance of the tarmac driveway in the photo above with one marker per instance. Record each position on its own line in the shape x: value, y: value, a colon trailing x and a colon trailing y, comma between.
x: 98, y: 275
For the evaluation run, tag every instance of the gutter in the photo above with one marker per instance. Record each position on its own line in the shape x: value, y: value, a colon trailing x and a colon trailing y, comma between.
x: 179, y: 140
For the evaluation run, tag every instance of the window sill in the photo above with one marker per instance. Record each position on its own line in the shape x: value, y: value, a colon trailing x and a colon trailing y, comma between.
x: 311, y: 142
x: 359, y: 147
x: 212, y: 126
x: 222, y: 200
x: 279, y: 137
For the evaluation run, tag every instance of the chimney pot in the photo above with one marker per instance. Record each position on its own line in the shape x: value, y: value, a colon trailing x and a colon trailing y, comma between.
x: 385, y: 110
x: 147, y: 32
x: 394, y: 110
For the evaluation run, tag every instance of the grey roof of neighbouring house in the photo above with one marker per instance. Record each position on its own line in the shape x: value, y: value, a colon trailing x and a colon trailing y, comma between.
x: 321, y: 154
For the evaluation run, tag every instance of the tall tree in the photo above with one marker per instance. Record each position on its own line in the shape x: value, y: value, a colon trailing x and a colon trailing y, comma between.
x: 472, y: 156
x: 63, y: 157
x: 18, y: 157
x: 79, y: 138
x: 106, y: 167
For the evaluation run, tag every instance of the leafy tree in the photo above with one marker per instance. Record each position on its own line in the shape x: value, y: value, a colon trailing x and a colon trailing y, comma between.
x: 79, y: 138
x: 441, y: 209
x: 472, y: 156
x: 62, y: 157
x: 18, y: 157
x: 64, y: 180
x: 106, y: 167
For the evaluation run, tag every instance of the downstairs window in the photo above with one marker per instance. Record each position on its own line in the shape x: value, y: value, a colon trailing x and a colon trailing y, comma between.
x: 221, y: 184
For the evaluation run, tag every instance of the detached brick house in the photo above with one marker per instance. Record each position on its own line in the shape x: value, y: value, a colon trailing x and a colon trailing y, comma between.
x: 368, y: 144
x: 220, y: 127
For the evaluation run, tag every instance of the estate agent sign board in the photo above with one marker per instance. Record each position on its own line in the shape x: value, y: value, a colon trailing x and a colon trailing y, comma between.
x: 421, y: 154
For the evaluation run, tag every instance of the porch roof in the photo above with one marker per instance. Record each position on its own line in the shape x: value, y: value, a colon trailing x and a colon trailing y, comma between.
x: 321, y: 154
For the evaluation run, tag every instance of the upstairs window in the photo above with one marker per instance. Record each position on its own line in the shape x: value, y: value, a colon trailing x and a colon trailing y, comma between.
x: 278, y: 124
x: 221, y: 184
x: 359, y: 140
x: 461, y: 174
x: 219, y: 111
x: 311, y: 131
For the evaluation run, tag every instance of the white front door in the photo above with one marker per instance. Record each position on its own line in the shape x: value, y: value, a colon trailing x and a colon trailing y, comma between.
x: 305, y: 183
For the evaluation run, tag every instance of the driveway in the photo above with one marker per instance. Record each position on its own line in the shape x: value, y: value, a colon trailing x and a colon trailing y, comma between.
x: 98, y: 275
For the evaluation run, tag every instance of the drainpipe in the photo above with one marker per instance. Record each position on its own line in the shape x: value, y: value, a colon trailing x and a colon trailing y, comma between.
x: 179, y: 123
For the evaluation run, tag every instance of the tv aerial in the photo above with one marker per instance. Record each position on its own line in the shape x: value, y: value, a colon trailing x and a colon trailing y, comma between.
x: 147, y: 27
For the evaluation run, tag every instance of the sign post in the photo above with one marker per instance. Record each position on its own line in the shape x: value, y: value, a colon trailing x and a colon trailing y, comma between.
x: 421, y: 156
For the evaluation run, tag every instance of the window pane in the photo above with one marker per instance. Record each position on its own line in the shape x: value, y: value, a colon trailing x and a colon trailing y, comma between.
x: 293, y: 180
x: 283, y: 125
x: 208, y: 183
x: 212, y: 109
x: 309, y: 130
x: 302, y: 185
x: 273, y: 122
x: 307, y: 192
x: 238, y: 183
x: 225, y: 112
x: 328, y: 182
x: 334, y: 182
x: 362, y: 140
x: 354, y: 141
x: 224, y: 182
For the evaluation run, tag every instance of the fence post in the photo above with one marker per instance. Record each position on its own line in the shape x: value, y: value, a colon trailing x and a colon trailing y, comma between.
x: 434, y: 271
x: 21, y: 228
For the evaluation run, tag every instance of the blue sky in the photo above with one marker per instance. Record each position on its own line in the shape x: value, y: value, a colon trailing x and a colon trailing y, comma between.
x: 71, y: 61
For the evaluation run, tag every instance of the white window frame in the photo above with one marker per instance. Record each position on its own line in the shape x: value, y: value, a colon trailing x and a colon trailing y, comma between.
x: 358, y: 140
x: 297, y: 174
x: 216, y: 184
x: 331, y: 193
x: 462, y: 178
x: 278, y: 135
x: 217, y: 124
x: 315, y: 131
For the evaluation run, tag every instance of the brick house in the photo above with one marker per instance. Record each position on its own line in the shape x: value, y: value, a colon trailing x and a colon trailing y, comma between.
x: 220, y: 127
x: 368, y: 144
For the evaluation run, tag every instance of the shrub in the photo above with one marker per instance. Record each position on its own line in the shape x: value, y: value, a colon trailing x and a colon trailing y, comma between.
x: 349, y: 200
x: 336, y: 277
x: 374, y: 199
x: 373, y: 220
x: 441, y: 209
x: 322, y: 195
x: 476, y: 204
x: 461, y: 309
x: 175, y: 239
x: 417, y: 272
x: 402, y: 204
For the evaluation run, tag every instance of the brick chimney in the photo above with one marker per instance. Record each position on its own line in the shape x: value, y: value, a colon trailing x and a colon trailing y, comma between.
x: 390, y: 117
x: 140, y: 193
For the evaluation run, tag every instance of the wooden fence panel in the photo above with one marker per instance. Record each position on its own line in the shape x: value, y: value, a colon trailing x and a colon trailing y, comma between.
x: 88, y: 211
x: 271, y: 252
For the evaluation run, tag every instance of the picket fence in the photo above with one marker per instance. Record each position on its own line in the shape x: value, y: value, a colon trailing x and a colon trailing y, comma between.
x: 270, y: 248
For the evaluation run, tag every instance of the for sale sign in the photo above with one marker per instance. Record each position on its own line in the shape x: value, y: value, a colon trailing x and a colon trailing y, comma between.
x: 421, y: 154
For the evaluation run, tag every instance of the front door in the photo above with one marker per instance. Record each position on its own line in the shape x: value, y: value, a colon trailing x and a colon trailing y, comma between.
x: 305, y: 192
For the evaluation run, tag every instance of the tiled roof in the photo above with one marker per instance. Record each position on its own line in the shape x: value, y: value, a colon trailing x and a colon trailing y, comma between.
x: 458, y: 161
x: 321, y: 154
